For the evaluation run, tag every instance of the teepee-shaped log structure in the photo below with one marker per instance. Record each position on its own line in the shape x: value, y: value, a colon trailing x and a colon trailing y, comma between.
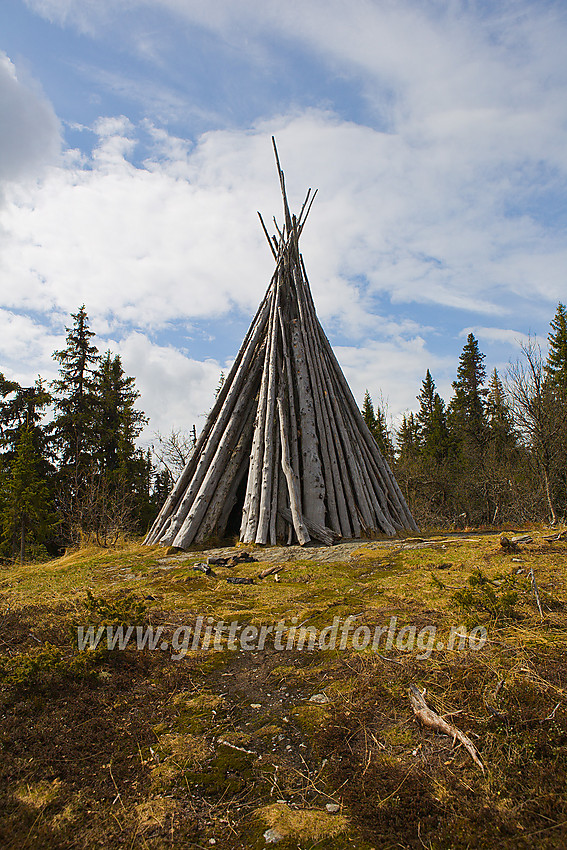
x: 285, y: 453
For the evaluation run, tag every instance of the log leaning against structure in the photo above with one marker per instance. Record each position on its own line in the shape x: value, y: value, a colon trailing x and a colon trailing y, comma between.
x: 285, y: 454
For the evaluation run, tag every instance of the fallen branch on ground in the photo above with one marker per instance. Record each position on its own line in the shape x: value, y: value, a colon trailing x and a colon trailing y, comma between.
x: 431, y: 720
x: 561, y: 535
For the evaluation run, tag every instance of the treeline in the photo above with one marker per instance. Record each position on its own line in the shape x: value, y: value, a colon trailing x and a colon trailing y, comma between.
x: 70, y: 469
x: 69, y: 465
x: 497, y: 452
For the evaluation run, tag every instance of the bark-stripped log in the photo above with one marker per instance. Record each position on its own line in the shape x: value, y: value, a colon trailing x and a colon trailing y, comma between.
x: 263, y: 527
x: 319, y: 532
x: 218, y: 417
x: 189, y: 523
x: 292, y: 481
x: 313, y: 484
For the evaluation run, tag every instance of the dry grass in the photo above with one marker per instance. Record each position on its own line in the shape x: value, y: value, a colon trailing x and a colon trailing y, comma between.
x: 134, y: 749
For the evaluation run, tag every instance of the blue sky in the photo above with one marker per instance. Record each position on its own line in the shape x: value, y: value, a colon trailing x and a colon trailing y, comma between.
x: 135, y: 151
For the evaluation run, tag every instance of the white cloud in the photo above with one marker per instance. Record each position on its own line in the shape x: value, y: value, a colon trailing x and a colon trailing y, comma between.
x: 395, y: 368
x: 175, y: 390
x: 442, y: 71
x: 442, y: 203
x: 30, y: 130
x: 26, y: 347
x: 177, y: 239
x: 505, y: 335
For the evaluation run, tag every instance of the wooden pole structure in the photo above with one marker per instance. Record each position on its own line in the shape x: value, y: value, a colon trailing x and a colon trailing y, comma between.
x: 285, y: 448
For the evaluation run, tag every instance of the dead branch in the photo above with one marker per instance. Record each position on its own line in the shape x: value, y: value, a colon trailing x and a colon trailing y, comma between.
x: 431, y: 720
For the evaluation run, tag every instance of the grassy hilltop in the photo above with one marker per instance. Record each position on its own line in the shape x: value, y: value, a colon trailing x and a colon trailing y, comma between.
x: 297, y: 747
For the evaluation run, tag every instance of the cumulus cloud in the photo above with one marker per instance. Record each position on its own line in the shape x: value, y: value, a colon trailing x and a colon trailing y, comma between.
x: 176, y: 390
x: 26, y: 347
x: 394, y: 368
x: 178, y: 238
x: 30, y: 130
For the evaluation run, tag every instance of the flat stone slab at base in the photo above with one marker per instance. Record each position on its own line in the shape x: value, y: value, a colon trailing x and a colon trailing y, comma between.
x: 318, y: 551
x: 281, y: 554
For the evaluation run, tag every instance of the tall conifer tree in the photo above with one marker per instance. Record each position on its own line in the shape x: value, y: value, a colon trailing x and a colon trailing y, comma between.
x: 499, y: 415
x: 432, y: 421
x: 375, y: 418
x: 74, y: 425
x: 467, y: 411
x: 556, y: 366
x: 126, y: 469
x: 408, y: 438
x: 368, y: 414
x: 118, y: 423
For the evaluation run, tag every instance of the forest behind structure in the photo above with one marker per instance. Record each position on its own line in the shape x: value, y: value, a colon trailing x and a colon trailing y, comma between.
x: 71, y: 468
x: 497, y: 452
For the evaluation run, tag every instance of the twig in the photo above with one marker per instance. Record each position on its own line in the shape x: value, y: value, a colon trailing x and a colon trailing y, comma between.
x: 429, y: 718
x: 498, y: 687
x: 536, y: 591
x: 118, y: 795
x: 235, y: 747
x: 395, y: 791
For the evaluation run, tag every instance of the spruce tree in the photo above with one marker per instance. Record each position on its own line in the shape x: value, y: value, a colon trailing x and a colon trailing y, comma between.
x: 467, y: 410
x: 74, y: 425
x: 378, y: 426
x: 408, y: 462
x: 432, y: 422
x: 505, y: 464
x: 25, y: 510
x: 556, y: 366
x: 118, y: 423
x: 369, y: 416
x: 21, y: 407
x: 408, y: 438
x: 468, y: 430
x: 556, y: 385
x: 426, y: 399
x: 126, y: 470
x: 9, y: 424
x: 21, y: 412
x: 499, y: 416
x: 384, y: 438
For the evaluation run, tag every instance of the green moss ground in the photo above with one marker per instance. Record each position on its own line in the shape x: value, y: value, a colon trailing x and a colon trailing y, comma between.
x: 114, y: 749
